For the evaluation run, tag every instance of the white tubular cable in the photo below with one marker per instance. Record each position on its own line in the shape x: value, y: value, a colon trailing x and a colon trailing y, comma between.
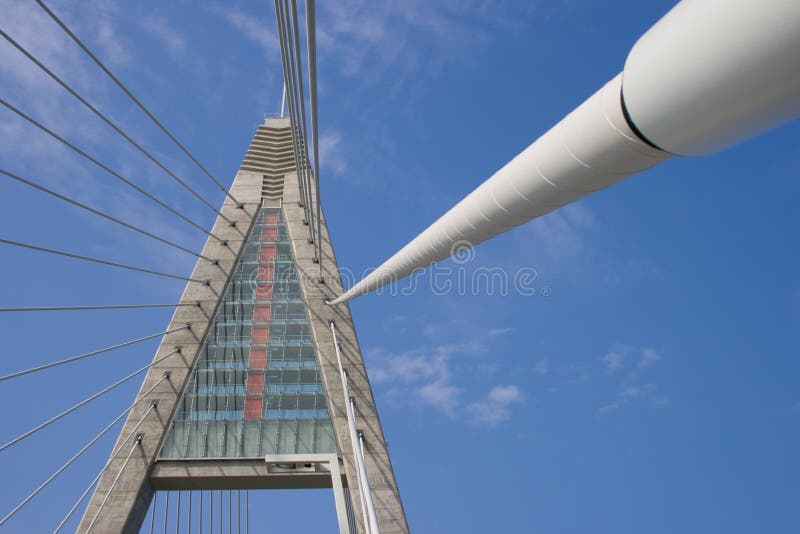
x: 114, y: 484
x: 367, y: 506
x: 352, y: 427
x: 359, y: 451
x: 709, y: 74
x: 122, y: 444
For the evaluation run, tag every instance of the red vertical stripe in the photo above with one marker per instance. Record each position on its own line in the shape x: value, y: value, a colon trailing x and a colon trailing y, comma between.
x: 252, y: 407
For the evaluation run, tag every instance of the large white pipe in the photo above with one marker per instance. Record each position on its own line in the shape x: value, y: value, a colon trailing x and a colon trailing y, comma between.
x: 710, y: 73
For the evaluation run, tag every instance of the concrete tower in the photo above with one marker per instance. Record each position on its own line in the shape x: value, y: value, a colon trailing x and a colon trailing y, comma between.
x: 250, y: 395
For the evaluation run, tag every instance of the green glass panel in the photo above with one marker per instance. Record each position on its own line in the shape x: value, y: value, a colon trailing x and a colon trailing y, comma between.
x: 256, y: 388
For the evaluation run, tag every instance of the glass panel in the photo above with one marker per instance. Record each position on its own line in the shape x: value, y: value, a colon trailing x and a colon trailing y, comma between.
x: 256, y: 388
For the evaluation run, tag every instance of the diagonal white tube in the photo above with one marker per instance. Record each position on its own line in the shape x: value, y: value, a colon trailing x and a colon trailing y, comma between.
x: 709, y: 74
x: 590, y: 149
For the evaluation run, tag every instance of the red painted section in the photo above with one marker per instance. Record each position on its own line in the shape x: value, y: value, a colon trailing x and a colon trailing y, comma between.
x: 267, y: 253
x: 265, y: 273
x: 260, y: 335
x: 252, y: 407
x: 255, y: 383
x: 269, y: 233
x: 261, y: 313
x: 258, y: 358
x: 271, y: 217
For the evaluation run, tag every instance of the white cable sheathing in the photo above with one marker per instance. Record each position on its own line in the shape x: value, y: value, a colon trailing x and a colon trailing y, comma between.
x: 711, y: 73
x: 364, y: 493
x: 590, y: 149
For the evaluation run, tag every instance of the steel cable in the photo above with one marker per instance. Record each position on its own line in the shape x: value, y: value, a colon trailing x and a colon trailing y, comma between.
x: 135, y: 100
x: 85, y: 401
x: 109, y: 122
x: 103, y: 214
x: 87, y: 354
x: 103, y: 262
x: 104, y: 167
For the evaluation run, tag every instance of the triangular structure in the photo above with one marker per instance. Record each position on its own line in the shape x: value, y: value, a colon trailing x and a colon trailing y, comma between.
x: 269, y: 389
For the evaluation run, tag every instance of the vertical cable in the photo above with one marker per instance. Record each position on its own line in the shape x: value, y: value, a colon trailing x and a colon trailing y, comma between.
x: 247, y: 512
x: 189, y: 527
x: 220, y: 512
x: 311, y: 49
x: 166, y: 511
x: 153, y: 514
x: 178, y: 514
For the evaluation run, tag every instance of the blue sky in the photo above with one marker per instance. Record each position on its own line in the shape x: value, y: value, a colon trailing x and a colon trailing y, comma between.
x: 649, y: 384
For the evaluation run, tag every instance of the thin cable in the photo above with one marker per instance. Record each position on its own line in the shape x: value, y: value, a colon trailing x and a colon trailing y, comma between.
x: 103, y: 262
x: 153, y: 516
x: 178, y: 515
x: 166, y: 511
x: 311, y: 49
x: 113, y: 484
x: 88, y: 354
x: 113, y: 454
x: 201, y: 512
x: 106, y: 168
x: 290, y: 100
x: 86, y: 401
x: 239, y: 511
x: 133, y: 98
x: 301, y: 96
x: 103, y: 214
x: 288, y: 82
x: 189, y: 526
x: 71, y: 460
x: 83, y: 308
x: 109, y: 122
x: 230, y: 512
x: 247, y: 512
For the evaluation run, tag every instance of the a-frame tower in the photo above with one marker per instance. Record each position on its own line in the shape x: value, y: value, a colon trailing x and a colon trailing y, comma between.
x: 254, y: 397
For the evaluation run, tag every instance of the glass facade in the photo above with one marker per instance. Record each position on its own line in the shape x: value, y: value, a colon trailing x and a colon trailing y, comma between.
x: 256, y: 388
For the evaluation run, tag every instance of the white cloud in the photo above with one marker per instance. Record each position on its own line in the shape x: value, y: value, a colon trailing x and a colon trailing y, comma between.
x: 648, y: 358
x: 331, y: 156
x: 612, y: 361
x: 429, y: 376
x: 494, y: 332
x: 542, y: 367
x: 172, y: 39
x: 496, y: 406
x: 261, y: 32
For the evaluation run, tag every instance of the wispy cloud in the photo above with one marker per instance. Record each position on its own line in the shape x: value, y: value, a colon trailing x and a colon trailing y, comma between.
x: 434, y: 376
x: 496, y: 406
x: 494, y: 332
x: 542, y: 367
x: 259, y: 30
x: 160, y: 27
x: 331, y: 155
x: 632, y: 387
x: 612, y: 361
